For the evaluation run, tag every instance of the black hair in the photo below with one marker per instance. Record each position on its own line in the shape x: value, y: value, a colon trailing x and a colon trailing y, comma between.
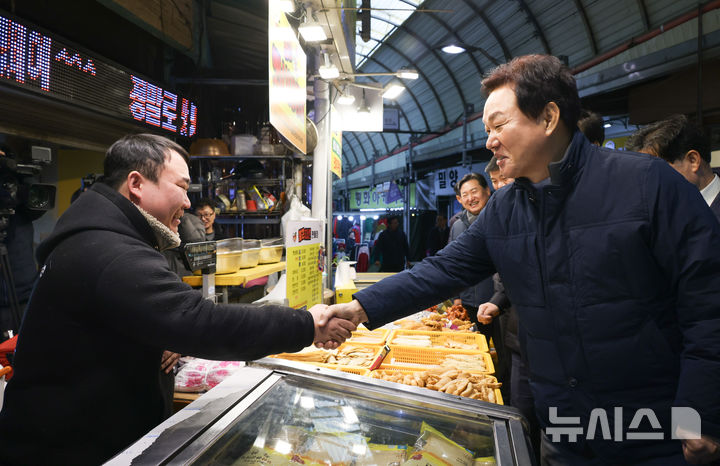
x: 592, y: 126
x: 470, y: 176
x: 204, y: 202
x: 671, y: 139
x: 492, y: 165
x: 538, y: 80
x: 144, y: 153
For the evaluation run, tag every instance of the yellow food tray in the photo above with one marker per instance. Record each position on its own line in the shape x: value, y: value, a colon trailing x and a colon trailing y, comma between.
x: 350, y: 369
x: 381, y: 333
x: 423, y: 358
x: 407, y: 370
x: 377, y: 351
x: 438, y: 339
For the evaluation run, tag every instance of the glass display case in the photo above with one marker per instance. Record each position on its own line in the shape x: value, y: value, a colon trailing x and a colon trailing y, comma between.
x: 298, y: 414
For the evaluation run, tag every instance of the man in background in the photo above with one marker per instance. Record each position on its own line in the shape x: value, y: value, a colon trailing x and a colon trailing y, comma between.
x: 205, y: 210
x: 472, y: 192
x: 681, y: 144
x: 592, y: 126
x: 438, y: 237
x: 391, y: 250
x: 497, y: 179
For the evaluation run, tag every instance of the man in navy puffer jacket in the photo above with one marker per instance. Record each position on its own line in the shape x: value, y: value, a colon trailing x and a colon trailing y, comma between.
x: 610, y: 259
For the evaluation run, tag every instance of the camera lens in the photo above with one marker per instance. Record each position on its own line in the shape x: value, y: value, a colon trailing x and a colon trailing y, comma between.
x: 40, y: 197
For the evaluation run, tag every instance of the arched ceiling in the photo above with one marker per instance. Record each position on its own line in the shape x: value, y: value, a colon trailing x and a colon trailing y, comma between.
x: 494, y: 31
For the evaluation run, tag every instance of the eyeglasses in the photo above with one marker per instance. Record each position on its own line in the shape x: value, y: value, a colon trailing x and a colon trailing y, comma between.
x: 206, y: 216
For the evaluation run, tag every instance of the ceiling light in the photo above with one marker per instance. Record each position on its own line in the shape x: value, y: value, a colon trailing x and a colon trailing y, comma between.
x: 328, y: 70
x: 393, y: 91
x: 311, y: 30
x: 607, y: 125
x: 452, y: 48
x: 406, y: 73
x: 346, y: 99
x: 286, y: 6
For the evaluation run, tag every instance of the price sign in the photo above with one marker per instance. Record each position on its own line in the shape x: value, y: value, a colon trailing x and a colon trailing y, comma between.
x: 304, y: 263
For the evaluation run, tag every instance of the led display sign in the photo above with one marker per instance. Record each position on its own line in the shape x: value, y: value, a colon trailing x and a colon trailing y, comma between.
x: 32, y: 60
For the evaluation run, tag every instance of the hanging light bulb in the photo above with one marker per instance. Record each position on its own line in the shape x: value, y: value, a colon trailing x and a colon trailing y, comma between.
x: 363, y: 108
x: 346, y: 98
x: 311, y: 30
x: 328, y: 70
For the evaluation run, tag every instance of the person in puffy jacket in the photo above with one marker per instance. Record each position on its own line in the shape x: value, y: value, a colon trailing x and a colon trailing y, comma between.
x: 86, y: 378
x: 611, y: 261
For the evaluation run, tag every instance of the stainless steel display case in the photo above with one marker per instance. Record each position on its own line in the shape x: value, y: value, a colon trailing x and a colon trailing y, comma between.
x: 295, y: 409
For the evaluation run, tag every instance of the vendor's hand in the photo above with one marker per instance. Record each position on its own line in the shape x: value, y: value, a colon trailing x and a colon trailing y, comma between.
x: 701, y: 451
x: 486, y: 313
x: 330, y: 331
x: 457, y: 302
x: 168, y: 361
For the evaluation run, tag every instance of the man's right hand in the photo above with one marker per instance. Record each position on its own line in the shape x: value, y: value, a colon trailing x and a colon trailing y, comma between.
x: 330, y: 332
x: 351, y: 311
x: 486, y: 313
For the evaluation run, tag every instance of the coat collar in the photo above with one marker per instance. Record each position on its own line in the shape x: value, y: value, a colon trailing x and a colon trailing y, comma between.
x: 132, y: 212
x: 564, y: 170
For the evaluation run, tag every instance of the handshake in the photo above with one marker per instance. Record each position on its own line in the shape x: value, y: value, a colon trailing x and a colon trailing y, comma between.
x: 333, y: 324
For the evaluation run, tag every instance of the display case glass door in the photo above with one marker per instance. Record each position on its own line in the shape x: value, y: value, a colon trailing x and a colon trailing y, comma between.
x: 299, y: 420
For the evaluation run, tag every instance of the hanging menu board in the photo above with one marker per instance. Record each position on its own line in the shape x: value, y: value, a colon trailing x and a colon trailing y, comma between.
x: 42, y: 63
x: 304, y: 262
x: 287, y: 66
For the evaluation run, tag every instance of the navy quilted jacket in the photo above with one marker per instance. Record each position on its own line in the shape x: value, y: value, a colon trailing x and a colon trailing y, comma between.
x: 615, y: 274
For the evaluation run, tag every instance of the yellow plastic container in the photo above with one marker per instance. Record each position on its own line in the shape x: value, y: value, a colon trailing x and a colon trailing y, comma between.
x: 439, y: 339
x: 344, y: 295
x: 380, y: 333
x: 424, y: 358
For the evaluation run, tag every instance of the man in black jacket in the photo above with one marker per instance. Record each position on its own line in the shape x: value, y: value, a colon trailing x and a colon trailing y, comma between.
x: 391, y: 248
x: 610, y: 259
x: 106, y: 305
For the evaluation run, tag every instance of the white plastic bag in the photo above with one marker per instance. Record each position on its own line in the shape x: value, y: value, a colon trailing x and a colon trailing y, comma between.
x: 344, y: 274
x: 297, y: 211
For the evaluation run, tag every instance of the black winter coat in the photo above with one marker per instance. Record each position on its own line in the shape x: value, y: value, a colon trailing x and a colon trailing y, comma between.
x: 614, y: 271
x: 105, y: 306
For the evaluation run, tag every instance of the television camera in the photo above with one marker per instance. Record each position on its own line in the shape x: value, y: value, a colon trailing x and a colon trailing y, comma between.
x: 20, y: 194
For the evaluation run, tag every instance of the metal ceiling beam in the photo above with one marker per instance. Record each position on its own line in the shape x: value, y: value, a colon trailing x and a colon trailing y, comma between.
x: 347, y: 144
x: 536, y: 25
x: 493, y: 31
x: 382, y: 138
x: 644, y: 14
x: 425, y: 79
x: 372, y: 144
x: 357, y: 139
x: 435, y: 54
x: 586, y: 24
